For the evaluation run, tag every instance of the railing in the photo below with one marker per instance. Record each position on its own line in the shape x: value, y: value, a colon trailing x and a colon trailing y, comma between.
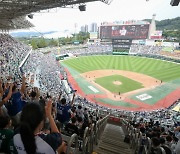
x: 77, y: 143
x: 90, y: 137
x: 136, y: 140
x: 100, y: 125
x: 85, y: 141
x: 73, y: 146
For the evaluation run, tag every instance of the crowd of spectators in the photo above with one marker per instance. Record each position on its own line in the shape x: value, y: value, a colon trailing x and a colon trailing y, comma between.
x: 35, y: 114
x: 161, y: 127
x: 88, y: 50
x: 171, y: 54
x: 152, y: 50
x: 146, y: 49
x: 24, y: 107
x: 22, y: 119
x: 12, y: 52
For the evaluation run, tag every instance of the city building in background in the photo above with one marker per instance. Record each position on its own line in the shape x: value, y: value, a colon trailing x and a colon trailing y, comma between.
x: 84, y: 28
x: 93, y: 27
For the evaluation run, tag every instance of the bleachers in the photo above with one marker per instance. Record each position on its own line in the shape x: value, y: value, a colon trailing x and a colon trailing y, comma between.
x: 102, y: 136
x: 89, y: 141
x: 112, y: 141
x: 139, y: 142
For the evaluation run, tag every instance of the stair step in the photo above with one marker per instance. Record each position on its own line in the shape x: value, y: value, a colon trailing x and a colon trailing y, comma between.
x: 109, y: 146
x: 115, y: 151
x: 113, y: 134
x: 102, y: 151
x: 112, y: 138
x: 115, y: 143
x: 112, y: 141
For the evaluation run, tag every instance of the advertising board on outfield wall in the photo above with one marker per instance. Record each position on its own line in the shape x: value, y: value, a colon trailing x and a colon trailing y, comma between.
x: 124, y: 31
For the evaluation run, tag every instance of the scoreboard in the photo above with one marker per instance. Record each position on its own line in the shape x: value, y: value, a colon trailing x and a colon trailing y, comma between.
x: 124, y: 31
x: 121, y: 46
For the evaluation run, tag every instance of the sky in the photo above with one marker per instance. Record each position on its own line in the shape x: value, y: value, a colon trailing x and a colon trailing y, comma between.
x: 61, y: 19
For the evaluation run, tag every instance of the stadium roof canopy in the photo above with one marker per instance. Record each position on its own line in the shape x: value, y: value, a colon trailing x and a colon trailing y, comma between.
x: 13, y: 12
x: 16, y: 23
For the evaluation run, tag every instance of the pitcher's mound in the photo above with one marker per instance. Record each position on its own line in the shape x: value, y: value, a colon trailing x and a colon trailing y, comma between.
x: 117, y: 83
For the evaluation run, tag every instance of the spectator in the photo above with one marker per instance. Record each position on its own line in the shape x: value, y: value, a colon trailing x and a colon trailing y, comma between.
x: 86, y: 113
x: 30, y: 140
x: 80, y: 111
x: 4, y: 100
x: 164, y: 146
x: 6, y: 134
x: 71, y: 128
x: 169, y: 140
x: 15, y: 104
x: 63, y: 114
x: 34, y: 95
x: 156, y: 146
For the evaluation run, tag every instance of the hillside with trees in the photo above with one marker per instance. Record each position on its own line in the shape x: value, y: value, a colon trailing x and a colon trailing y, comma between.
x: 42, y: 42
x: 170, y: 28
x: 167, y: 24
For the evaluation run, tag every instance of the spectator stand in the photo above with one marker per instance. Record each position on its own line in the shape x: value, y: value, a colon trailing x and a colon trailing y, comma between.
x: 90, y: 138
x: 137, y: 138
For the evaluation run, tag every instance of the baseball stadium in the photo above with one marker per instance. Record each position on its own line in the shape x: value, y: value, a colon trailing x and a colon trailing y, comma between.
x: 111, y: 88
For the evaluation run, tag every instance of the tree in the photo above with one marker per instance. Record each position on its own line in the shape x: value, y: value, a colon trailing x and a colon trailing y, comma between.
x: 53, y: 43
x: 34, y: 44
x: 175, y: 34
x: 42, y: 43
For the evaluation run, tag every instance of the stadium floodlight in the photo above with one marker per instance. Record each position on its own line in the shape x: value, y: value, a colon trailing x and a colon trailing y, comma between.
x: 174, y: 2
x: 82, y: 7
x: 107, y: 1
x: 30, y: 16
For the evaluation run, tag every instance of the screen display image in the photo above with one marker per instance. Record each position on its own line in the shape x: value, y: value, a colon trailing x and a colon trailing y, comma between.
x: 124, y: 32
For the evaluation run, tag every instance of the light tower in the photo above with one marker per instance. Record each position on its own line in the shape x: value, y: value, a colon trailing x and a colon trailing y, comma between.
x: 75, y: 31
x: 152, y: 27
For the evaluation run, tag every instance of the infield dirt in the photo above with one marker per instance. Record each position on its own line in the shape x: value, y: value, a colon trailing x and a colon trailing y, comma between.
x: 148, y: 82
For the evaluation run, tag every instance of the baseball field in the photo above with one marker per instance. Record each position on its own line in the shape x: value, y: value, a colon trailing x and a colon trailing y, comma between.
x: 125, y: 82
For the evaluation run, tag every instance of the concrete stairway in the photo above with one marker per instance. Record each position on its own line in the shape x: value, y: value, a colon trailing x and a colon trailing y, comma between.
x: 111, y: 141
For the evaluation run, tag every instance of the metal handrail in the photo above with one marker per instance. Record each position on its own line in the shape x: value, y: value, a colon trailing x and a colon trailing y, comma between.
x: 91, y: 140
x: 85, y: 140
x: 73, y: 140
x: 99, y: 126
x: 136, y: 139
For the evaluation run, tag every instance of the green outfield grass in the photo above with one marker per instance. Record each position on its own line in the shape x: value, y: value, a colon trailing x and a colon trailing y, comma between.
x: 116, y: 103
x: 162, y: 70
x: 125, y: 86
